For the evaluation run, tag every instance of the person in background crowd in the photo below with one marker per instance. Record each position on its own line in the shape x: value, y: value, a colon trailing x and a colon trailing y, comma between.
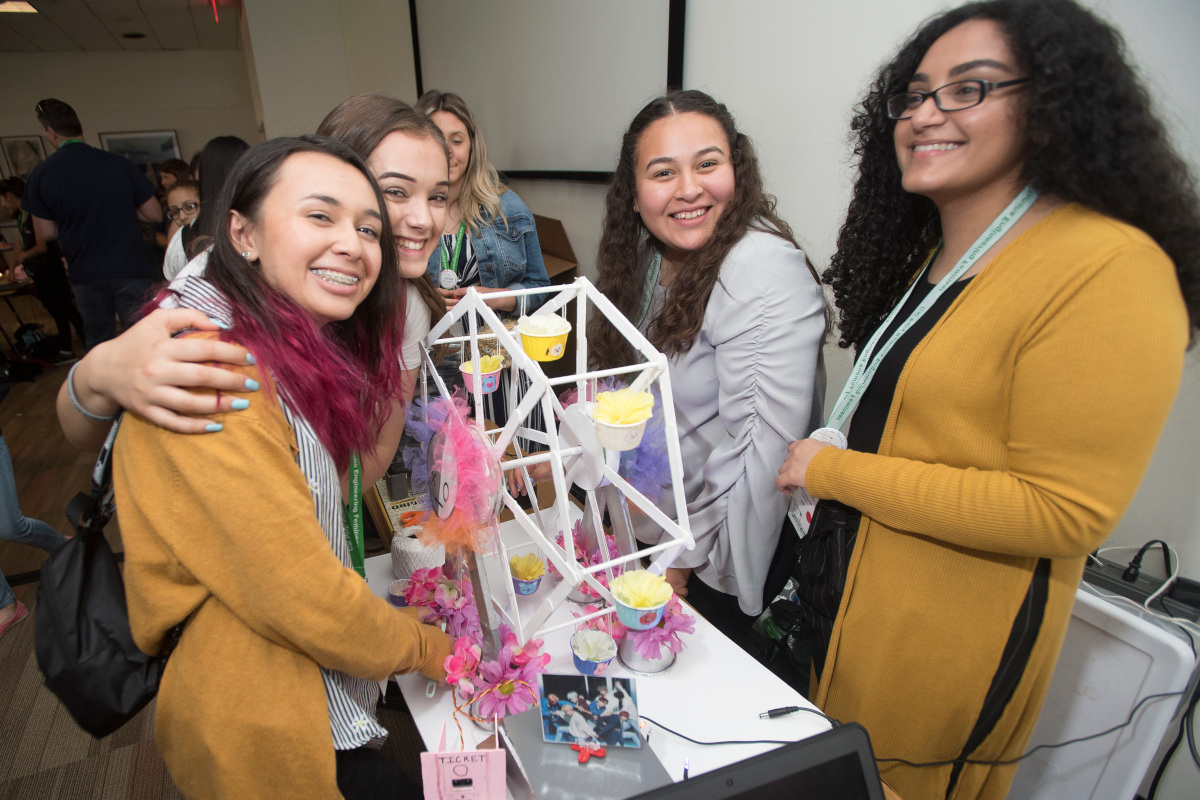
x: 92, y: 202
x: 43, y: 262
x: 1007, y: 428
x: 216, y: 161
x: 183, y: 205
x: 16, y: 527
x: 171, y: 172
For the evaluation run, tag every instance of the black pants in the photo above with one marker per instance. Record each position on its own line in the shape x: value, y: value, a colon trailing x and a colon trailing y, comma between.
x: 367, y: 774
x: 54, y: 290
x: 723, y: 611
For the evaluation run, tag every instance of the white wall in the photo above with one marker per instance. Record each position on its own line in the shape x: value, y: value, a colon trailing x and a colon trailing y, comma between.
x: 379, y: 55
x: 299, y: 57
x: 197, y: 93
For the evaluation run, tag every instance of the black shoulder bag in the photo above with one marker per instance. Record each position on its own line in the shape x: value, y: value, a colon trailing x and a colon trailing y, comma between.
x: 84, y: 645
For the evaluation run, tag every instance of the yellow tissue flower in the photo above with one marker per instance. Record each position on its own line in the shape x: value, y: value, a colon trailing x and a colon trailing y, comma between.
x: 527, y: 567
x: 641, y: 589
x: 486, y: 364
x: 624, y: 407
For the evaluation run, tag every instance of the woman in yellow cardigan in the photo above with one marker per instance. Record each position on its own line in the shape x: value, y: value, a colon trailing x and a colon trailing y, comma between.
x: 270, y: 691
x: 1012, y: 175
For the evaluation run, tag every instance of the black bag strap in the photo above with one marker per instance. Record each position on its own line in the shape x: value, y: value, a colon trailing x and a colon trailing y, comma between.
x: 88, y: 513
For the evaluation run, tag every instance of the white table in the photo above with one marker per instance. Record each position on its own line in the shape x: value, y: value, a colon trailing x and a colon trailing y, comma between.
x: 714, y: 691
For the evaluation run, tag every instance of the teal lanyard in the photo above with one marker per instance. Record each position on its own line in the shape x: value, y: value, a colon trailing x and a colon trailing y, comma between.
x: 869, y: 360
x: 648, y: 291
x: 452, y: 264
x: 353, y: 519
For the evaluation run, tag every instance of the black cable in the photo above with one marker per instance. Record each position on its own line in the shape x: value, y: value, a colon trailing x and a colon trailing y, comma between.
x: 1011, y: 761
x: 1007, y: 762
x: 1162, y: 766
x: 1189, y: 720
x: 833, y: 721
x: 1135, y: 564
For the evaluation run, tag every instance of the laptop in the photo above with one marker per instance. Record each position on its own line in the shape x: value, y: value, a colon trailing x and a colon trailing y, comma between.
x: 836, y: 764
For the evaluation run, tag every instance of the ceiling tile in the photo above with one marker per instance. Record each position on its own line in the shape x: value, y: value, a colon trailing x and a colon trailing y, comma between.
x: 41, y: 31
x: 13, y: 42
x: 172, y: 23
x: 122, y: 17
x: 77, y: 21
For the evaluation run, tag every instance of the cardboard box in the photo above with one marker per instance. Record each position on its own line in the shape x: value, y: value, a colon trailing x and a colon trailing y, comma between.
x: 556, y: 249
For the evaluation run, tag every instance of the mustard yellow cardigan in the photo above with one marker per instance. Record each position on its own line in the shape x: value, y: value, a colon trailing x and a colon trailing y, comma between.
x: 1020, y: 428
x: 221, y: 528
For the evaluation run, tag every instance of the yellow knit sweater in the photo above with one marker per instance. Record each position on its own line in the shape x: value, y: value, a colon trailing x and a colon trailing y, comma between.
x: 221, y: 528
x: 1020, y: 429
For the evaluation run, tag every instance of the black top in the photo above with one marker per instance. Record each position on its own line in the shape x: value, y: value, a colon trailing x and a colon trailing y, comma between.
x: 866, y: 429
x: 94, y: 197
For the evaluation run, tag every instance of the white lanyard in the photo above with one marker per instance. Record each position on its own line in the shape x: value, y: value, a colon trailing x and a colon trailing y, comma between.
x: 868, y: 360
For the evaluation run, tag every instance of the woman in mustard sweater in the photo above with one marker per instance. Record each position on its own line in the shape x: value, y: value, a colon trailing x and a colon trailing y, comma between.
x: 1011, y: 174
x: 271, y: 689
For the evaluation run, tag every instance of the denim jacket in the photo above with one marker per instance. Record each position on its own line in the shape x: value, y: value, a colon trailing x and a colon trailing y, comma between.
x: 508, y: 256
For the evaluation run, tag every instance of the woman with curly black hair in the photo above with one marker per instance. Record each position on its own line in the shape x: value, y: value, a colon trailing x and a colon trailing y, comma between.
x: 693, y: 252
x: 1015, y: 186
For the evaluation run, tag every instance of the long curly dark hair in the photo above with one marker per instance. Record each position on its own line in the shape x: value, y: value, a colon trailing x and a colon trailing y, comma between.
x: 1091, y: 137
x: 625, y: 236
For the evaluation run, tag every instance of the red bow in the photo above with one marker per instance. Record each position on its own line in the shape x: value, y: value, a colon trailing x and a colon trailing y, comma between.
x: 587, y: 751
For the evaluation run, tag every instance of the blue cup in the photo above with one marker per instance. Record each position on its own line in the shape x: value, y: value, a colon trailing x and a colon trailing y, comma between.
x: 527, y: 587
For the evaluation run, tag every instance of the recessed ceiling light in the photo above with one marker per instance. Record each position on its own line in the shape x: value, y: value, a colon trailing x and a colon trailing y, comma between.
x: 133, y: 35
x: 16, y: 7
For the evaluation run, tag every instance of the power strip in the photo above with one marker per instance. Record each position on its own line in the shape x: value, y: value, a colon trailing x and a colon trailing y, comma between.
x: 1180, y: 601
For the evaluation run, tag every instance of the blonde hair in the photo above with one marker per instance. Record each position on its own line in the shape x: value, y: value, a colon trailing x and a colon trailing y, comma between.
x: 481, y: 189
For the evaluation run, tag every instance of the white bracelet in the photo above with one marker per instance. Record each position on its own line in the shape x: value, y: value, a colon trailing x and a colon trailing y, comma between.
x: 75, y: 400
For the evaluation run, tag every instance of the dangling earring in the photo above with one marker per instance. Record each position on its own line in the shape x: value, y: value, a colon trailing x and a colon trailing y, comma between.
x: 246, y: 256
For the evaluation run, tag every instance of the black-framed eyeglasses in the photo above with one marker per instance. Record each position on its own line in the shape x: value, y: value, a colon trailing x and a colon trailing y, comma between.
x: 187, y: 208
x: 951, y: 97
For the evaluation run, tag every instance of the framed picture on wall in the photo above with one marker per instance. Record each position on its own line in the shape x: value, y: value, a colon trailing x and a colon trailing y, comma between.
x: 22, y: 154
x: 147, y: 149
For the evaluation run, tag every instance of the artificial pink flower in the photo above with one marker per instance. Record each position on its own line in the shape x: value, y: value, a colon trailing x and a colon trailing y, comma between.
x: 421, y: 586
x: 504, y: 687
x: 607, y: 623
x: 649, y: 643
x: 463, y: 665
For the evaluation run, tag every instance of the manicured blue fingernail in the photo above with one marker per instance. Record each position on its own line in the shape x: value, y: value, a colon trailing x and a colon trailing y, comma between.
x: 250, y: 359
x: 213, y: 427
x: 251, y: 386
x: 222, y: 325
x: 241, y: 404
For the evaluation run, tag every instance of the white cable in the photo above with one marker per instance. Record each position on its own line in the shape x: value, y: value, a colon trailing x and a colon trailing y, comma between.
x: 1182, y: 623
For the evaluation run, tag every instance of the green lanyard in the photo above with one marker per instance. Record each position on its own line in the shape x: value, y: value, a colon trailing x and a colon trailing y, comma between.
x: 452, y: 264
x: 870, y: 358
x: 353, y: 519
x: 648, y: 291
x: 65, y: 142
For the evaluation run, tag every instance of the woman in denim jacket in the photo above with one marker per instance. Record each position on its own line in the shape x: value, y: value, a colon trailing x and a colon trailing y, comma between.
x: 487, y: 225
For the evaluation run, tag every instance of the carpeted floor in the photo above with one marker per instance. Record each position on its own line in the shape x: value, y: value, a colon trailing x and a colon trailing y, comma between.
x: 43, y: 754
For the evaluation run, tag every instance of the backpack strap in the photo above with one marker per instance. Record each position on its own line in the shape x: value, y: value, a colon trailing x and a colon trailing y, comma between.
x: 89, y: 513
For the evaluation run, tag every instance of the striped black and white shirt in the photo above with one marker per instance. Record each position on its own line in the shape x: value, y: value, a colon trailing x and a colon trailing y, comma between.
x: 351, y: 701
